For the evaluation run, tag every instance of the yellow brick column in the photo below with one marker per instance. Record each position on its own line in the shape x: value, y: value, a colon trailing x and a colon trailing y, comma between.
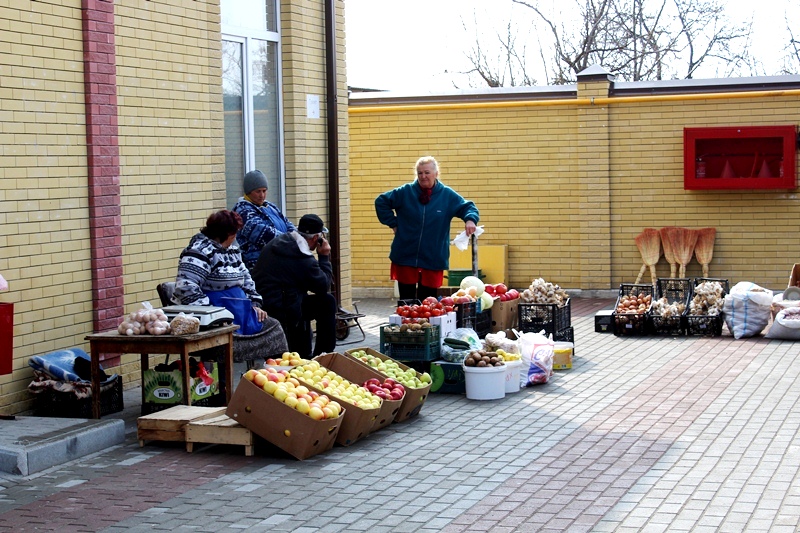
x: 594, y: 177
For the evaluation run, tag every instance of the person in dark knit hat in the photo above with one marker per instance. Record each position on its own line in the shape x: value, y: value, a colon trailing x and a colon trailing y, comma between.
x: 285, y: 274
x: 263, y: 221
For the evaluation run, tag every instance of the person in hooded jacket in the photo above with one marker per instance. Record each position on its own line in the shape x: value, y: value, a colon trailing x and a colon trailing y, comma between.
x: 295, y: 285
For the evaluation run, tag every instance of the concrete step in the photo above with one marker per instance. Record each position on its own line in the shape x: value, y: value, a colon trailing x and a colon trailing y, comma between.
x: 30, y: 444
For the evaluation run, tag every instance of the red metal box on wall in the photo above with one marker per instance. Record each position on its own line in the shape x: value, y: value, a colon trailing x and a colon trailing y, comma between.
x: 6, y: 338
x: 740, y: 157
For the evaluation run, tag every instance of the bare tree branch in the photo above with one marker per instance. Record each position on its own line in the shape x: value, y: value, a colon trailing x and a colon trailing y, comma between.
x: 633, y: 39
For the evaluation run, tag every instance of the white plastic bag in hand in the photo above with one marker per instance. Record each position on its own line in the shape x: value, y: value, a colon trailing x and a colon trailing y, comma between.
x: 462, y: 241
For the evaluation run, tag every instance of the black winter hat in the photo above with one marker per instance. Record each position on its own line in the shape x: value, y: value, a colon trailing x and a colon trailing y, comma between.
x: 311, y: 224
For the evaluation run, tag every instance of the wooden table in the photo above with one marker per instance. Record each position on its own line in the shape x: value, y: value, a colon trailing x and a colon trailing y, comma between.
x: 113, y: 342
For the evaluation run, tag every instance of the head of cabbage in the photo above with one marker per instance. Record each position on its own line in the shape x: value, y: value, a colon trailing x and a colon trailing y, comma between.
x: 473, y: 281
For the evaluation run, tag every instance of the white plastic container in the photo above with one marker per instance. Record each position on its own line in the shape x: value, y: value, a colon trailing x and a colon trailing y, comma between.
x: 512, y: 376
x: 486, y: 382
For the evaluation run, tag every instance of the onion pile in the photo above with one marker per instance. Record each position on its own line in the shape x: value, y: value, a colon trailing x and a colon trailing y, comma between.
x: 638, y: 304
x: 707, y: 300
x: 145, y: 320
x: 543, y: 292
x: 665, y: 309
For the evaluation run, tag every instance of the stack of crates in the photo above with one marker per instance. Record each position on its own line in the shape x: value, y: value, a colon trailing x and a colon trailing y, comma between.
x: 706, y: 325
x: 676, y: 291
x: 633, y: 324
x: 553, y: 319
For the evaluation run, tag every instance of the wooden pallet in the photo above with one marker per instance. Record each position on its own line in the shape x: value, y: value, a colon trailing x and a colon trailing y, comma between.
x: 219, y: 430
x: 170, y: 424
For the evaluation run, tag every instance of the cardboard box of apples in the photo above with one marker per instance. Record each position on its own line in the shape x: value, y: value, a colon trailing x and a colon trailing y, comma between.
x: 370, y: 379
x: 299, y: 432
x: 417, y: 385
x: 363, y: 407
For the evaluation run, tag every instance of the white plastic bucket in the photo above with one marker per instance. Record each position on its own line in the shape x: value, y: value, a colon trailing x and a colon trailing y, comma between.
x: 562, y: 355
x: 512, y: 376
x: 486, y: 382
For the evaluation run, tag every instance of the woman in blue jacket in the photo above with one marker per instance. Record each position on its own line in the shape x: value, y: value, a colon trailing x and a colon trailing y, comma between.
x: 419, y: 214
x: 263, y: 221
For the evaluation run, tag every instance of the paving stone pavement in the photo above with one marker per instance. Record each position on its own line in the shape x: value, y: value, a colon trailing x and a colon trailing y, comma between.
x: 642, y: 434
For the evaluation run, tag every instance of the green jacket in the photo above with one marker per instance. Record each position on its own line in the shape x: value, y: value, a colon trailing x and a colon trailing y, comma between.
x: 423, y: 230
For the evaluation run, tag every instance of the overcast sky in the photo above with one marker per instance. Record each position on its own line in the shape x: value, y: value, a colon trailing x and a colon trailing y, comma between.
x: 419, y: 45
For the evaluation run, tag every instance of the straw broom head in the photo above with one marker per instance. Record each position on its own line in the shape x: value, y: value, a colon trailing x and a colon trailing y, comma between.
x: 682, y: 241
x: 649, y: 244
x: 704, y: 248
x: 669, y: 255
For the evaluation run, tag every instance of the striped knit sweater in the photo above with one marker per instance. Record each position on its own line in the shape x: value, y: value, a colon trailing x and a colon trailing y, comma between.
x: 205, y: 265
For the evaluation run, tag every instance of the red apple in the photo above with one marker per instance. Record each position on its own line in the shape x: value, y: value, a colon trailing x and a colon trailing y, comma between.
x: 447, y: 300
x: 500, y: 288
x: 489, y: 289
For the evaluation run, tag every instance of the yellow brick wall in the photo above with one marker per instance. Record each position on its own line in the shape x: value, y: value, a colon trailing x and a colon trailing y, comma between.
x: 568, y: 187
x: 44, y: 227
x: 303, y: 49
x: 171, y: 151
x: 171, y: 156
x: 756, y: 229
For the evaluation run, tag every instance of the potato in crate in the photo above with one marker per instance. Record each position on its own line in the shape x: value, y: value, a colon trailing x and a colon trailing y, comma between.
x: 552, y: 318
x: 704, y: 316
x: 666, y: 315
x: 410, y: 342
x: 630, y: 312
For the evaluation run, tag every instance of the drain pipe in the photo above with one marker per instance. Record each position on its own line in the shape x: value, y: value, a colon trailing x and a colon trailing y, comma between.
x: 332, y: 110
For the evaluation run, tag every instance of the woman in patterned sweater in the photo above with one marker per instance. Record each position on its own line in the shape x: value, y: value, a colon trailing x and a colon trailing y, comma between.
x: 211, y: 272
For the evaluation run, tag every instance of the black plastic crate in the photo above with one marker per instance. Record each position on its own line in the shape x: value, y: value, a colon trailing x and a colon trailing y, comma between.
x: 66, y: 405
x: 551, y: 318
x: 565, y: 335
x: 706, y: 325
x: 724, y: 282
x: 675, y: 290
x: 633, y: 324
x: 669, y: 325
x: 483, y: 323
x: 466, y: 315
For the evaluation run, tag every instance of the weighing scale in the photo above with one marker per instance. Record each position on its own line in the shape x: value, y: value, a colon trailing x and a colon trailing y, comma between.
x: 209, y: 315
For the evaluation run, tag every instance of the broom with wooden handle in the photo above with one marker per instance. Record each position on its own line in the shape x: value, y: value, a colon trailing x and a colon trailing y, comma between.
x: 704, y: 248
x: 682, y: 241
x: 649, y: 244
x: 669, y: 255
